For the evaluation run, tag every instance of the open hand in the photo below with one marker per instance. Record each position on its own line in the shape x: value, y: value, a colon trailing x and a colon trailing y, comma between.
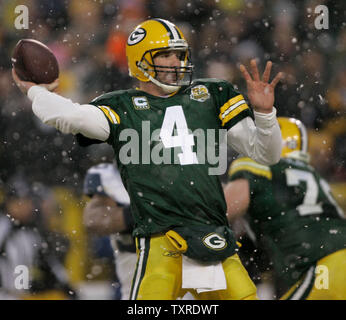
x: 260, y: 92
x: 24, y: 86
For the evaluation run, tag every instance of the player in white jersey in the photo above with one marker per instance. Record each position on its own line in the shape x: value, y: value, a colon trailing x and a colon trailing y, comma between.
x: 108, y: 213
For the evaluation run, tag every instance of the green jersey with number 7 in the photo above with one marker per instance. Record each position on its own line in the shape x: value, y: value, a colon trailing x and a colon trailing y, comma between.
x: 166, y: 149
x: 292, y: 214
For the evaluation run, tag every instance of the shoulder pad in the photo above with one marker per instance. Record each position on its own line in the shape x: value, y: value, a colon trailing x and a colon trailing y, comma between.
x: 93, y: 179
x: 208, y: 81
x: 109, y: 95
x: 105, y: 179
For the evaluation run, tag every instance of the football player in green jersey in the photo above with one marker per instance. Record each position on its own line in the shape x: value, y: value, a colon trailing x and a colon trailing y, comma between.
x: 293, y: 217
x: 166, y: 135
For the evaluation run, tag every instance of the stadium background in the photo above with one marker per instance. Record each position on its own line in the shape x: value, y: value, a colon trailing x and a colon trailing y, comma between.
x: 88, y: 37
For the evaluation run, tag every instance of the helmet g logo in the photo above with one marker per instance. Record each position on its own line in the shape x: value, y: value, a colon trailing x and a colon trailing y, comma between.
x: 136, y: 36
x: 214, y: 241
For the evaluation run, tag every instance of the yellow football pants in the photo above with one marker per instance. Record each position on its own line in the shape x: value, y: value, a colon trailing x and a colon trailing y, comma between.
x: 325, y: 281
x: 158, y: 274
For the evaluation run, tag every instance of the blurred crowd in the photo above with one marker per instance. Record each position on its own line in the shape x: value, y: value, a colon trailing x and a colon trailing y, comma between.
x: 88, y: 38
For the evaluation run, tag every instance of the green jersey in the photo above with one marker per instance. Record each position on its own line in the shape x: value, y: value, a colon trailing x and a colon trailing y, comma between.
x: 292, y: 214
x: 163, y: 147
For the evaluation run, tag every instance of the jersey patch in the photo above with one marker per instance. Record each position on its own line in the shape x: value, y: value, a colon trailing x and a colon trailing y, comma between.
x: 199, y: 93
x: 140, y: 103
x: 246, y: 164
x: 232, y: 108
x: 214, y: 241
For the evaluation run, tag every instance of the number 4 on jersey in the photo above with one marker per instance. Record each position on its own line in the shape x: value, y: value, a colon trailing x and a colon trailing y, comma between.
x: 174, y: 117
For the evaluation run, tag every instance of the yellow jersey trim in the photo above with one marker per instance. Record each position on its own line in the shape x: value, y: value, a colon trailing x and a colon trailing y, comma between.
x: 247, y: 164
x: 112, y: 116
x: 232, y: 108
x: 230, y: 102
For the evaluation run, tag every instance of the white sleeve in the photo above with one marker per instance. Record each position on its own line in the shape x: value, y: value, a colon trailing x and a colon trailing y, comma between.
x: 261, y: 142
x: 68, y: 117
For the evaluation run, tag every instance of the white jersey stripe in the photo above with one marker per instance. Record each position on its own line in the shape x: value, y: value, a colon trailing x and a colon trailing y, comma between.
x: 231, y: 108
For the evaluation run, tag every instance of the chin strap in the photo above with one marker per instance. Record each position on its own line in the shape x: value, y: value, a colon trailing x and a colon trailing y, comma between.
x: 165, y: 87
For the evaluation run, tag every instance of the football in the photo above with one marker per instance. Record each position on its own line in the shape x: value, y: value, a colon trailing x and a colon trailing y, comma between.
x: 33, y: 61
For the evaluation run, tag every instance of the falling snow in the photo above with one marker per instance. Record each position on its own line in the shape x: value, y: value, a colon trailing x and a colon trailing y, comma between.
x: 89, y: 40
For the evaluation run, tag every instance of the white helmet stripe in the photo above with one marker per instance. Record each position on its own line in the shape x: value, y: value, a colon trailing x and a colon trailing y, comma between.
x: 303, y: 136
x: 171, y: 28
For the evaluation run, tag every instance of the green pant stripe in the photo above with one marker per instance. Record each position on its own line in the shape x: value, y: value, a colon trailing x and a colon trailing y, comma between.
x: 143, y: 247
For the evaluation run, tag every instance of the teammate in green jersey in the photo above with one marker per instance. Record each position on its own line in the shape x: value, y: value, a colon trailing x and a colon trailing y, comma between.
x: 294, y: 218
x: 168, y: 137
